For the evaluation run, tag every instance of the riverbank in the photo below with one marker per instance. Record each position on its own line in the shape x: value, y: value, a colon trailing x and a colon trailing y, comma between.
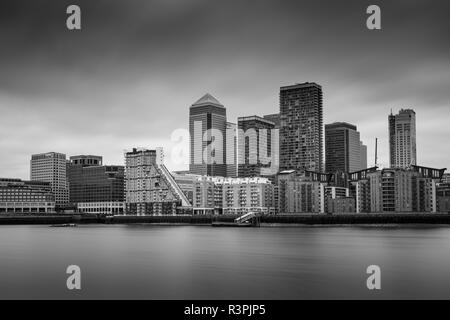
x: 341, y: 219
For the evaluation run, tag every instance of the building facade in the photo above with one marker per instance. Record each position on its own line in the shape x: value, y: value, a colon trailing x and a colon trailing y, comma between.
x: 231, y: 152
x: 51, y: 167
x: 91, y: 183
x: 362, y: 196
x: 207, y: 128
x: 299, y: 194
x: 344, y: 150
x: 402, y: 139
x: 25, y: 197
x: 186, y: 182
x: 340, y: 205
x: 443, y: 197
x: 108, y: 208
x: 236, y: 196
x: 95, y: 183
x: 258, y: 147
x: 398, y: 190
x: 86, y: 160
x: 301, y: 127
x: 363, y: 154
x: 244, y: 195
x: 150, y: 189
x: 274, y: 118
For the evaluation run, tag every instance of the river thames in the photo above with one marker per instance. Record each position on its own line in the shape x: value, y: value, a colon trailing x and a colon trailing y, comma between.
x: 202, y: 262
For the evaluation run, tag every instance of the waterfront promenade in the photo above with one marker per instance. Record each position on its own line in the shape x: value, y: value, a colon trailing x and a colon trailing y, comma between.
x: 315, y: 219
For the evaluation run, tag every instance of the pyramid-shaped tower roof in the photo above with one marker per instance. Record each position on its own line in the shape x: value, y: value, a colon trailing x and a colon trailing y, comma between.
x: 207, y: 100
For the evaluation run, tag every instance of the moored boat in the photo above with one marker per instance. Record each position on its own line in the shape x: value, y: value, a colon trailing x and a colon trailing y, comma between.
x: 67, y: 225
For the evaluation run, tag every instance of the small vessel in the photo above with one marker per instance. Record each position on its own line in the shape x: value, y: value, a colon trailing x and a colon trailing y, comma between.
x: 67, y: 225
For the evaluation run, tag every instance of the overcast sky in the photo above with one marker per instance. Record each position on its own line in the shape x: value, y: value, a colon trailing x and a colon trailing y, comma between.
x: 129, y: 76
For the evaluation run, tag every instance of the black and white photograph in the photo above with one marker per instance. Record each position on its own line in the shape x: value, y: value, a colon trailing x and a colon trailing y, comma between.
x: 224, y: 150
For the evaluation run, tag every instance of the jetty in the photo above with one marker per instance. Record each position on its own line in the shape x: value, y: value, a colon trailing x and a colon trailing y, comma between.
x: 250, y: 219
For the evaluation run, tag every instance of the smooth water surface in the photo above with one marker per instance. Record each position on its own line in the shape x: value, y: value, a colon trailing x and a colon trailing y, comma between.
x: 202, y: 262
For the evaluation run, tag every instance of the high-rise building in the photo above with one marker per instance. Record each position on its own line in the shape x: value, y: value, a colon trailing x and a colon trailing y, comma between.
x: 402, y: 139
x: 344, y: 150
x: 26, y: 197
x: 258, y: 147
x: 150, y: 189
x: 275, y: 118
x: 231, y: 152
x: 363, y: 153
x: 93, y: 187
x: 301, y: 127
x: 207, y: 128
x: 51, y: 167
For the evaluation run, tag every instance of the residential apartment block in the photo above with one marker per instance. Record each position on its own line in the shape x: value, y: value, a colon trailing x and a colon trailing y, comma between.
x: 150, y: 189
x: 219, y: 195
x: 402, y: 139
x: 301, y: 127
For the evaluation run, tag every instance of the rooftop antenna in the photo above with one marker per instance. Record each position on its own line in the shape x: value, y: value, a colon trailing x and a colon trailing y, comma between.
x: 376, y: 151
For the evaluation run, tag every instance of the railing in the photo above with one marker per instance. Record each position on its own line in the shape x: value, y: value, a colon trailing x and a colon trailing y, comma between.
x: 184, y: 200
x: 245, y: 217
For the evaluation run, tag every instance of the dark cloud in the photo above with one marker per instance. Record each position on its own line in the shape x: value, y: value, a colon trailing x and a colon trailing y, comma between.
x: 128, y: 77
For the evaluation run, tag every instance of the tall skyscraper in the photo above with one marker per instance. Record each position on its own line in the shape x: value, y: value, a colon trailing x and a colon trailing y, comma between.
x: 402, y: 139
x: 51, y: 167
x: 207, y: 128
x: 231, y: 152
x: 344, y: 150
x: 363, y: 150
x: 301, y: 127
x: 258, y: 147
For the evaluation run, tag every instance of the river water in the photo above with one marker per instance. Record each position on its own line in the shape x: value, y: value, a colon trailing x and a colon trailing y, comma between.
x: 202, y: 262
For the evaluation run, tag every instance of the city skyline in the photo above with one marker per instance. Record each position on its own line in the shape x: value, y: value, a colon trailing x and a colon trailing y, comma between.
x: 383, y: 163
x: 99, y: 91
x: 219, y: 158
